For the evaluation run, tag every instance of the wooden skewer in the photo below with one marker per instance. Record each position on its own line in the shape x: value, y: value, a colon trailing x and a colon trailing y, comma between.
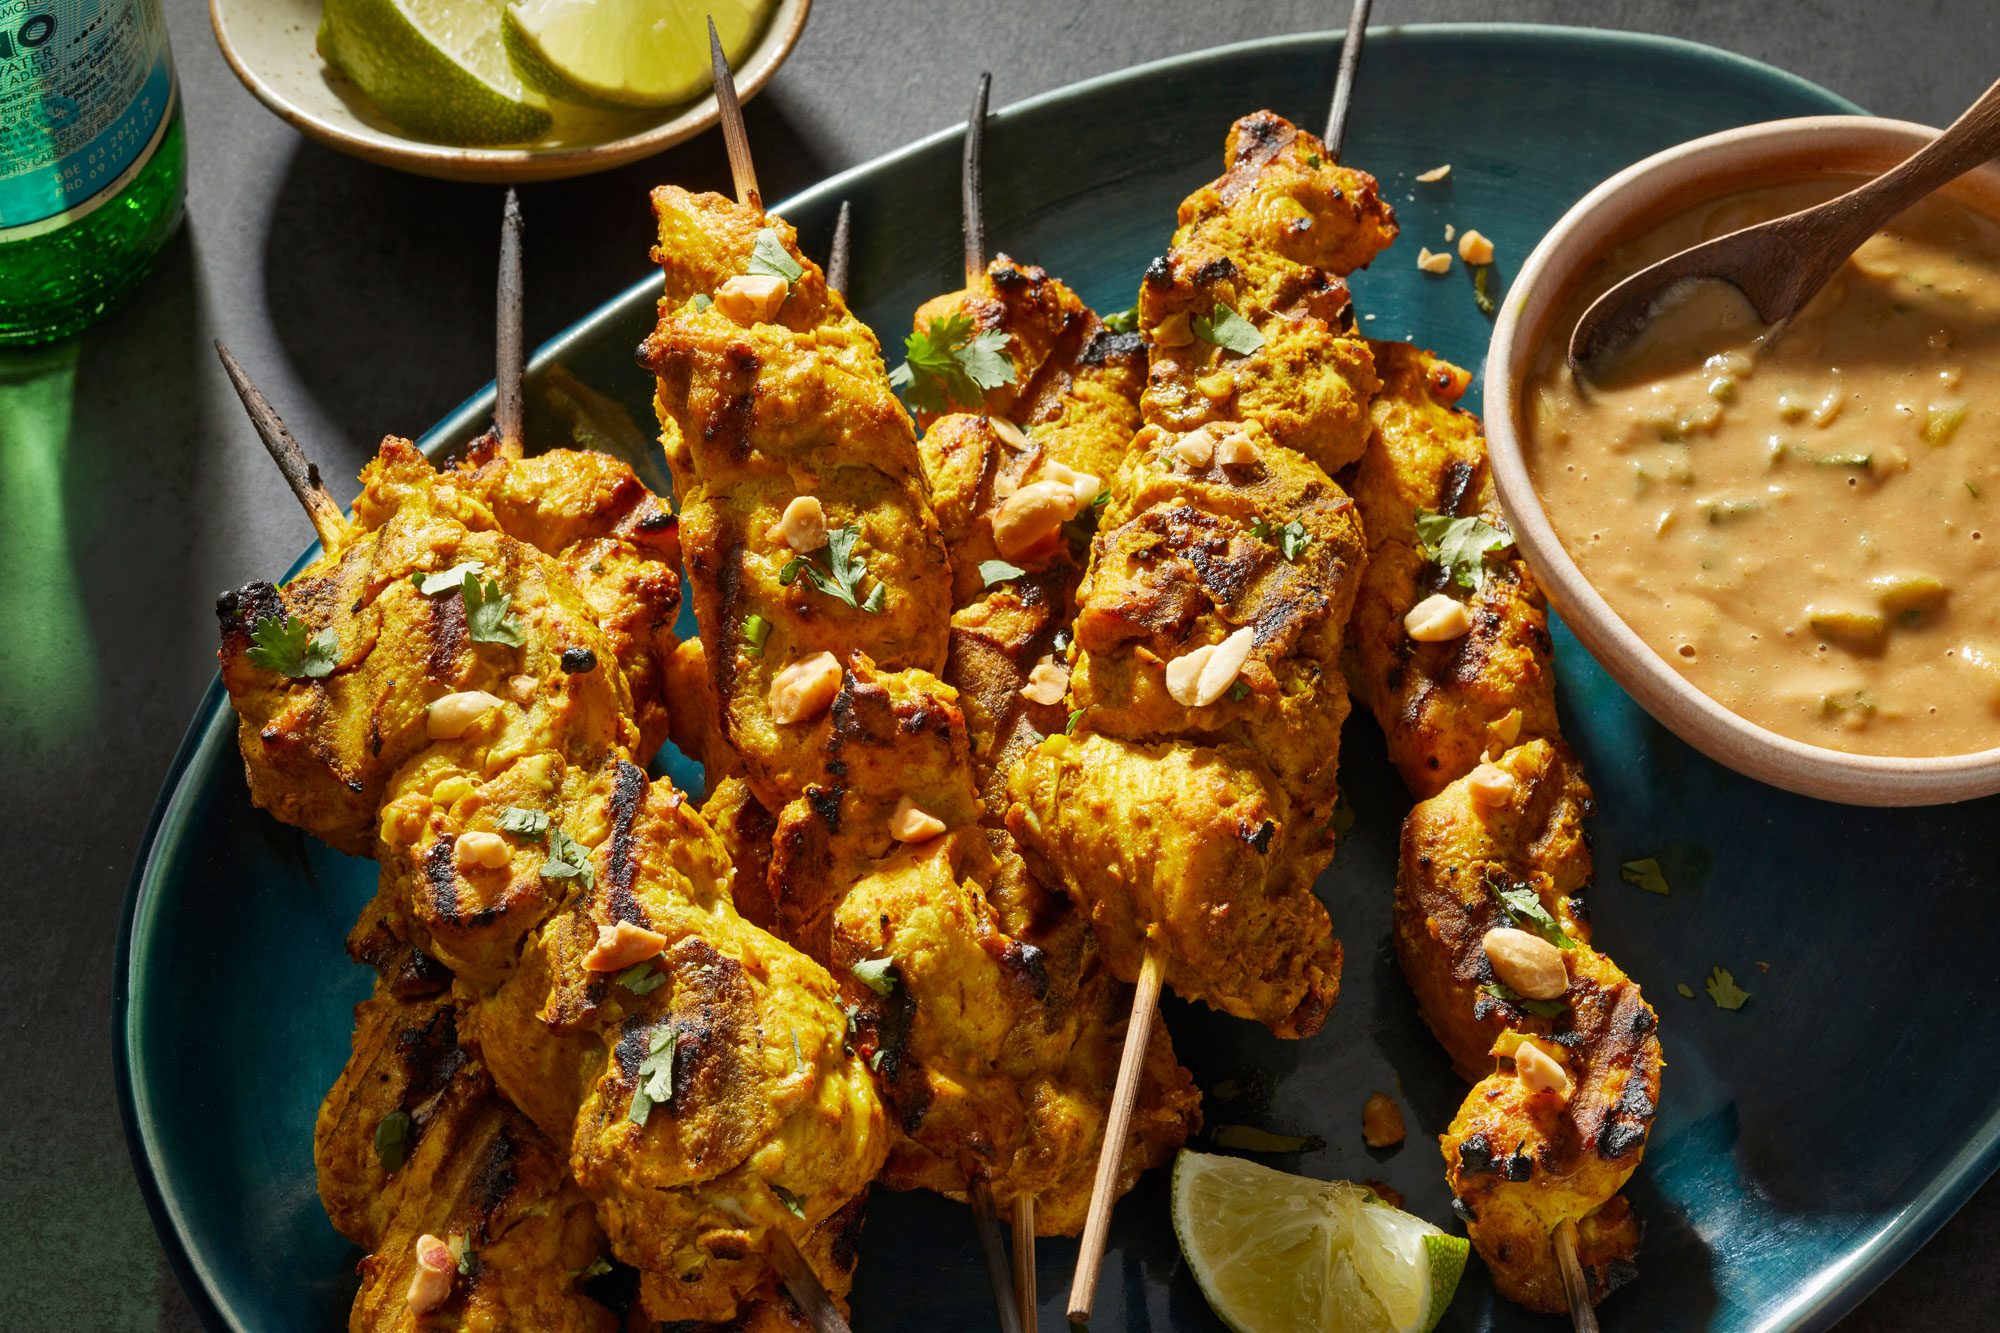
x: 804, y: 1285
x: 1146, y: 995
x: 1581, y: 1313
x: 509, y: 364
x: 301, y: 473
x: 837, y: 257
x: 1024, y: 1260
x: 971, y: 186
x: 734, y: 137
x: 985, y: 1219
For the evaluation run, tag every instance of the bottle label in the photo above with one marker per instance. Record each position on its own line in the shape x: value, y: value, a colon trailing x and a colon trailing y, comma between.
x: 85, y: 91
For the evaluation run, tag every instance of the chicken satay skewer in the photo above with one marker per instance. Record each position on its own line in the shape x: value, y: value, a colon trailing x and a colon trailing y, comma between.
x: 1146, y: 991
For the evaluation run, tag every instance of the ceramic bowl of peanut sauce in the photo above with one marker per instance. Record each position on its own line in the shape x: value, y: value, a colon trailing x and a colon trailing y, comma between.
x: 1785, y: 544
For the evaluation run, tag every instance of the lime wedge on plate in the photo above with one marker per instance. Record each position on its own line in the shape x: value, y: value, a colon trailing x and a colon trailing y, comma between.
x: 435, y: 67
x: 1276, y: 1253
x: 647, y: 53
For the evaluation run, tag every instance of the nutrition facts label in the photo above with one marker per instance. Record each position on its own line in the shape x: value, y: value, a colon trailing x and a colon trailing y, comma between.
x: 85, y: 87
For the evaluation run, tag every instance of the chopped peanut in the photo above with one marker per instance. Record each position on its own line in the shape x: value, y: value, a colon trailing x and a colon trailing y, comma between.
x: 1031, y: 514
x: 1010, y: 434
x: 1047, y: 683
x: 522, y: 689
x: 803, y: 527
x: 1490, y: 785
x: 1449, y: 231
x: 1195, y: 447
x: 909, y: 824
x: 802, y: 691
x: 1431, y: 261
x: 1539, y: 1071
x: 1173, y: 331
x: 1083, y: 485
x: 1439, y: 618
x: 1504, y: 730
x: 452, y: 716
x: 621, y: 945
x: 1474, y: 248
x: 430, y: 1285
x: 1184, y: 674
x: 487, y: 850
x: 1202, y: 675
x: 1382, y: 1121
x: 751, y: 298
x: 1526, y: 963
x: 1216, y: 387
x: 1435, y: 174
x: 1236, y: 448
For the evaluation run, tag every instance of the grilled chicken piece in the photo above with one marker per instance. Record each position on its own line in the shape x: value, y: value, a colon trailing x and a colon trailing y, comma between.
x: 1441, y: 705
x: 1521, y: 1162
x: 754, y: 416
x: 470, y: 1170
x: 1224, y: 518
x: 319, y: 753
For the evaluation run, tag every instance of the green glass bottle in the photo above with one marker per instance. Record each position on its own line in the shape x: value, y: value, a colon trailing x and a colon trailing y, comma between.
x: 93, y: 162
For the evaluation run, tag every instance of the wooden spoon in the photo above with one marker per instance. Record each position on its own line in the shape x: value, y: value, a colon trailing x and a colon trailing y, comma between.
x: 1781, y: 264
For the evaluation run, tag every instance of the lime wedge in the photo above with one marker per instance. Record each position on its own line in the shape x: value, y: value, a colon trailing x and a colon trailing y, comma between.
x: 648, y: 53
x: 437, y: 68
x: 1276, y: 1253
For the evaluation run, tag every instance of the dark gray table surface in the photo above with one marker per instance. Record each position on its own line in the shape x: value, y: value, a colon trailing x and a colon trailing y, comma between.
x: 361, y: 300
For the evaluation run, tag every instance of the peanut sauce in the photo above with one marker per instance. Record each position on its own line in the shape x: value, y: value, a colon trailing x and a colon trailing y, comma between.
x: 1806, y: 526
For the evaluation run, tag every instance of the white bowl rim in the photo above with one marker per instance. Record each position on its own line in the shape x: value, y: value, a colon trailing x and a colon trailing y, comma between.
x: 1724, y: 736
x: 786, y: 25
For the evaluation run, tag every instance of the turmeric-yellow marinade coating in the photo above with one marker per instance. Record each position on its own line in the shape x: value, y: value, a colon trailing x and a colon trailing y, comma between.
x: 1191, y: 821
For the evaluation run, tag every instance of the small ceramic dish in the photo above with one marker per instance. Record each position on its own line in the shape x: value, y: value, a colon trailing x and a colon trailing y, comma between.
x: 1619, y: 208
x: 271, y: 46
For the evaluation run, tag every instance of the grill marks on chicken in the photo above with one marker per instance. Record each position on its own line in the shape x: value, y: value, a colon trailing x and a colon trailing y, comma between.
x: 1523, y: 1158
x: 1199, y: 828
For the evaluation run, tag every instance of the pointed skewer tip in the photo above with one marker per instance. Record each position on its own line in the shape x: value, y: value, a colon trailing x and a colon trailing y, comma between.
x: 729, y: 109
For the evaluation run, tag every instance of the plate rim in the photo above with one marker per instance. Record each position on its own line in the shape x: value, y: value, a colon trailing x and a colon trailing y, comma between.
x: 1833, y: 1291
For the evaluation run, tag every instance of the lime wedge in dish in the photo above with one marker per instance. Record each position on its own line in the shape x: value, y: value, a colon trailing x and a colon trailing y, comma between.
x: 437, y: 68
x: 1277, y: 1253
x: 627, y: 53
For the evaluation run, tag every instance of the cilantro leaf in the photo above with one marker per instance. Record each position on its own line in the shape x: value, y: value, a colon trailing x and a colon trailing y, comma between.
x: 1722, y: 989
x: 1525, y: 906
x: 1239, y: 691
x: 1122, y: 321
x: 392, y: 1140
x: 641, y: 979
x: 1227, y: 330
x: 947, y: 363
x: 1481, y: 296
x: 468, y: 1258
x: 1075, y: 716
x: 280, y: 644
x: 487, y: 619
x: 792, y: 1202
x: 1539, y: 1008
x: 877, y: 974
x: 840, y: 577
x: 756, y: 629
x: 770, y: 258
x: 1459, y: 546
x: 998, y: 571
x: 430, y: 585
x: 1685, y: 991
x: 530, y: 824
x: 568, y: 859
x: 598, y: 1268
x: 1292, y: 538
x: 656, y: 1075
x: 1646, y: 873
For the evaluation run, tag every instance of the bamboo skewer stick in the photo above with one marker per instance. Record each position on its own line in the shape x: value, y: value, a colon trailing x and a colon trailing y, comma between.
x: 1575, y: 1288
x: 838, y: 257
x: 986, y: 1219
x: 1146, y: 994
x: 1024, y: 1259
x: 971, y: 184
x: 509, y: 363
x: 301, y: 473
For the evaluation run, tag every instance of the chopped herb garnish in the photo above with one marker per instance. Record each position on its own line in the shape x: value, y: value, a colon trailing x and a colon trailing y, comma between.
x: 392, y: 1140
x: 1525, y: 906
x: 877, y: 599
x: 1973, y: 490
x: 1482, y: 295
x: 1459, y: 546
x: 1941, y: 422
x: 947, y: 363
x: 1646, y: 873
x: 1069, y: 727
x: 1686, y: 991
x: 756, y: 629
x: 532, y: 824
x: 1249, y: 1138
x: 1293, y: 539
x: 598, y: 1267
x: 280, y: 644
x: 1227, y: 330
x: 1845, y: 460
x: 1722, y: 988
x: 656, y: 1075
x: 468, y: 1258
x: 840, y: 577
x: 998, y: 571
x: 769, y: 257
x: 568, y: 859
x: 793, y: 1204
x: 1123, y: 321
x: 487, y: 619
x: 1312, y: 160
x: 701, y: 300
x: 877, y: 974
x: 1539, y: 1008
x: 430, y: 585
x: 1238, y: 691
x: 1721, y: 511
x: 641, y: 978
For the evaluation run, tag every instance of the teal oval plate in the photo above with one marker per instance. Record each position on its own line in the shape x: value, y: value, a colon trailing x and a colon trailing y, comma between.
x: 1807, y: 1142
